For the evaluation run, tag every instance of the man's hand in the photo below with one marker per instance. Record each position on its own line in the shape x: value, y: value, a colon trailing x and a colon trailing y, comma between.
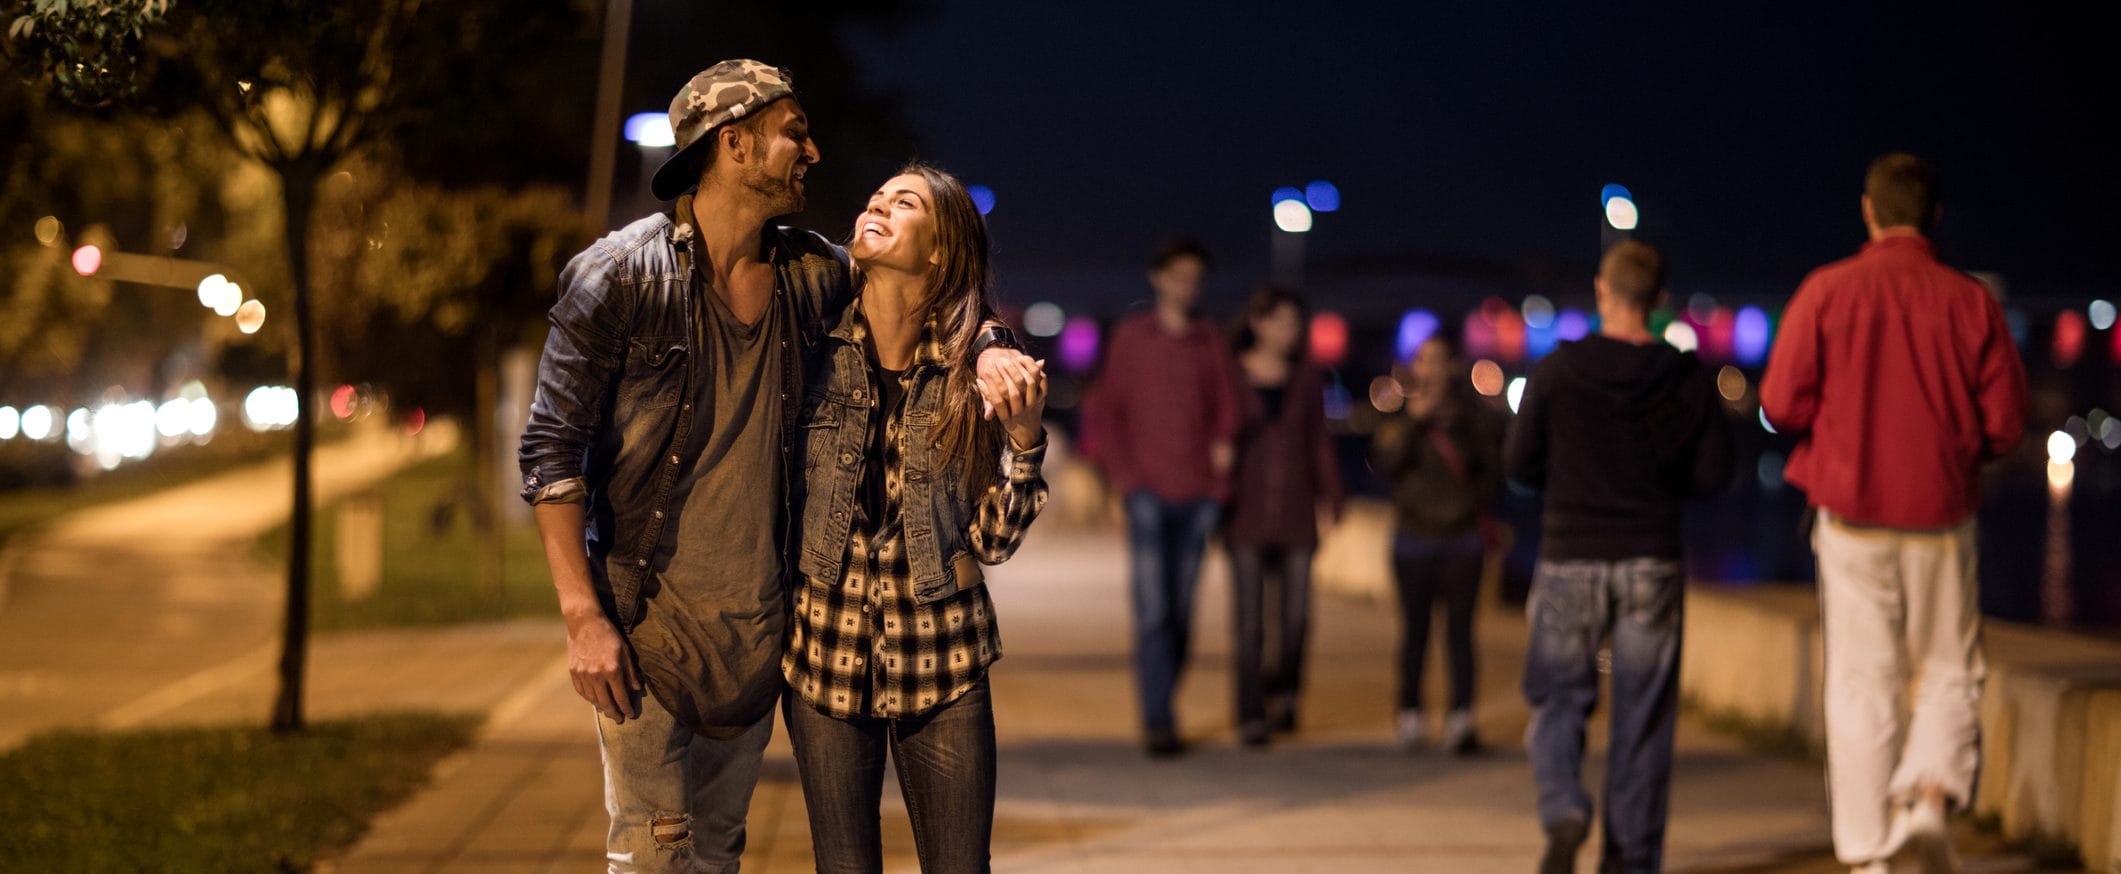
x: 1222, y: 457
x: 1000, y: 385
x: 601, y: 666
x: 1024, y: 386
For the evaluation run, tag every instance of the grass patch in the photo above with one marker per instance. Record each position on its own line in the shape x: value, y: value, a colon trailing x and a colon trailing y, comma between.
x: 28, y: 507
x: 431, y: 557
x: 226, y: 799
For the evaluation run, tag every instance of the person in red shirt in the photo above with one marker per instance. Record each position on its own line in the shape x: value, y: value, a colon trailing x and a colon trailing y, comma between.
x: 1161, y: 421
x: 1901, y: 376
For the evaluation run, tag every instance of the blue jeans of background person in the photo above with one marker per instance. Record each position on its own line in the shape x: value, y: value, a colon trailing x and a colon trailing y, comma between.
x: 1269, y: 677
x: 1166, y: 539
x: 1428, y: 569
x: 677, y: 799
x: 1635, y: 605
x: 945, y: 764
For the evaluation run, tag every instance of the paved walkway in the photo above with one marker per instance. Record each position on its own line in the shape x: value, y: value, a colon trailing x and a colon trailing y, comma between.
x: 1077, y: 795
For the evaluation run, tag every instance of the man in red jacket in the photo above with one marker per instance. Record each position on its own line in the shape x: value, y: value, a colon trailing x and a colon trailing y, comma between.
x: 1901, y: 376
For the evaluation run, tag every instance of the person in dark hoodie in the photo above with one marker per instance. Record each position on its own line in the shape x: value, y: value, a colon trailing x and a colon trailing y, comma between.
x: 1616, y: 430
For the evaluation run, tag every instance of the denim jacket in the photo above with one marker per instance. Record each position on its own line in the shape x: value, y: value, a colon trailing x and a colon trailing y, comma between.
x: 948, y: 533
x: 617, y: 375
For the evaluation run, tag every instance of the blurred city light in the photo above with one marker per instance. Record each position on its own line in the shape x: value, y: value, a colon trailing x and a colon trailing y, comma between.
x: 416, y: 421
x: 1386, y: 395
x: 2061, y: 447
x: 1681, y: 336
x: 1571, y: 325
x: 1716, y: 333
x: 1516, y: 393
x: 2110, y: 434
x: 1329, y: 339
x: 231, y: 302
x: 1487, y: 377
x: 173, y: 418
x: 1292, y: 216
x: 2020, y: 325
x: 650, y: 129
x: 1769, y: 470
x: 122, y: 432
x: 1538, y: 311
x: 10, y: 423
x: 1338, y: 404
x: 1078, y: 344
x: 48, y: 230
x: 87, y: 260
x: 1701, y: 306
x: 2060, y: 475
x: 1766, y: 425
x: 1613, y: 190
x: 1540, y: 339
x: 270, y: 407
x: 982, y: 198
x: 1416, y: 326
x: 1044, y: 319
x: 1620, y: 213
x: 1322, y: 196
x: 1285, y: 194
x: 2101, y: 313
x: 203, y: 417
x: 342, y: 401
x: 2070, y: 329
x: 80, y: 435
x: 210, y: 290
x: 37, y: 423
x: 1751, y: 336
x: 250, y: 317
x: 1731, y: 383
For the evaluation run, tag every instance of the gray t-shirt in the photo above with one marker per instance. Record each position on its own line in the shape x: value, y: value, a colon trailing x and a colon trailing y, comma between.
x: 710, y: 640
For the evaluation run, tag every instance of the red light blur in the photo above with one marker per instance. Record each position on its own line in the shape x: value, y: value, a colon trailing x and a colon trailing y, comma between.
x: 1329, y: 339
x: 342, y: 401
x: 2070, y: 329
x: 415, y: 420
x: 87, y: 260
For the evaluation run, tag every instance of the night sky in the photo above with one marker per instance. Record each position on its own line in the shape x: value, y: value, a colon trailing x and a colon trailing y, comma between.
x: 1472, y: 139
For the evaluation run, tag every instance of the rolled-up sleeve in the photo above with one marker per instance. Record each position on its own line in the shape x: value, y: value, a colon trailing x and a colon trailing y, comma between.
x: 1006, y: 511
x: 576, y: 379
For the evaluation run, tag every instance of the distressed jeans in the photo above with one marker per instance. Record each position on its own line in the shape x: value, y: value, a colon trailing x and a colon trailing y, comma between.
x: 1635, y: 606
x: 677, y: 799
x: 1166, y: 539
x: 945, y: 762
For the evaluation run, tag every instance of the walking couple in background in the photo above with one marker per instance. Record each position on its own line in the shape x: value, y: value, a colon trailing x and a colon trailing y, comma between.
x: 761, y: 462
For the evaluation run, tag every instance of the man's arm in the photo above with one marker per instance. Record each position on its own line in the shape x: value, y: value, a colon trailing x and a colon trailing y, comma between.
x: 2002, y: 389
x: 598, y: 661
x: 1789, y: 390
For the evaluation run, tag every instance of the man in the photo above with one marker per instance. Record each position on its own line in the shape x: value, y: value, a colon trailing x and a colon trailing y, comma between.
x: 1166, y: 416
x: 655, y: 457
x: 1901, y: 376
x: 1616, y: 429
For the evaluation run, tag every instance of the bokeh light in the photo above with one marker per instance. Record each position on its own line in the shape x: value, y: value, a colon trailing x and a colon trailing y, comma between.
x: 1571, y: 325
x: 2061, y: 447
x: 231, y: 302
x: 1292, y: 216
x: 1386, y: 395
x: 1681, y: 336
x: 1515, y: 393
x: 1751, y: 335
x: 982, y: 198
x: 650, y: 130
x: 250, y: 316
x: 10, y: 423
x: 1078, y: 344
x: 1285, y: 194
x: 1044, y: 319
x: 271, y: 407
x: 1769, y: 470
x: 1538, y: 311
x: 48, y: 230
x: 342, y: 401
x: 1620, y: 213
x: 1731, y: 383
x: 173, y: 418
x: 87, y: 260
x: 1322, y: 196
x: 1613, y: 190
x: 37, y: 423
x: 1766, y: 425
x: 2070, y: 329
x: 203, y: 417
x: 2101, y: 313
x: 1487, y: 377
x: 1416, y: 326
x: 210, y: 290
x: 1329, y: 339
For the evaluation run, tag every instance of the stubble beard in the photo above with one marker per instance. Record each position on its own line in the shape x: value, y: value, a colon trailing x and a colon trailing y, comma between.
x: 780, y: 194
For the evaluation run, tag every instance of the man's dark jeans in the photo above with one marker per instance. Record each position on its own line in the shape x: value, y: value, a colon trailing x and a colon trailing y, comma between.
x: 1269, y: 670
x: 1166, y: 539
x: 945, y: 764
x: 1636, y: 605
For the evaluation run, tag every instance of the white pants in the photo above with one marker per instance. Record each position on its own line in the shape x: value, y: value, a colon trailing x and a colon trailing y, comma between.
x: 1897, y: 605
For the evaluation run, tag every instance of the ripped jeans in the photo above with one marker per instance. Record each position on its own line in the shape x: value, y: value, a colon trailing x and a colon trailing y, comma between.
x: 677, y: 799
x: 1635, y: 606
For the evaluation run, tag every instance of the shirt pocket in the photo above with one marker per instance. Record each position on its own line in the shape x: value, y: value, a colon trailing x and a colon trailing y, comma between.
x: 654, y: 377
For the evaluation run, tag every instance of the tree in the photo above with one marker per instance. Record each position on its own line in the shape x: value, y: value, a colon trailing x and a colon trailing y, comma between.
x: 299, y: 88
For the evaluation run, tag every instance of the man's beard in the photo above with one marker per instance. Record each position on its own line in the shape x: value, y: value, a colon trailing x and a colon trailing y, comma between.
x: 780, y: 194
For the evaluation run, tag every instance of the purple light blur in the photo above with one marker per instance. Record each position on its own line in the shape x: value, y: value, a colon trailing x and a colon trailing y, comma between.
x: 1415, y: 328
x: 1078, y: 344
x: 1750, y: 337
x: 1571, y: 325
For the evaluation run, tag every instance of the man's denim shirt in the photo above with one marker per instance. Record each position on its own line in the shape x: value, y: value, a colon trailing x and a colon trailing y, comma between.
x: 616, y: 382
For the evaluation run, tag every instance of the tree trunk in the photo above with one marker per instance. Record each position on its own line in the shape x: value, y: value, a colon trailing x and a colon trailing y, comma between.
x: 485, y: 512
x: 298, y: 188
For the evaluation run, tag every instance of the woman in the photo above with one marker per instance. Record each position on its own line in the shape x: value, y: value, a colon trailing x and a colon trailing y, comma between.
x: 1442, y: 461
x: 908, y: 490
x: 1285, y: 473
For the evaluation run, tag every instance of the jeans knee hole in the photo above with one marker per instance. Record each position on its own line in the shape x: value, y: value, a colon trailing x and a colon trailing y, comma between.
x: 671, y: 832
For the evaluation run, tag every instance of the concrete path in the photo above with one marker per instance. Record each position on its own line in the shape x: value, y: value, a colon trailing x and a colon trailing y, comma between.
x: 130, y: 613
x: 1077, y: 795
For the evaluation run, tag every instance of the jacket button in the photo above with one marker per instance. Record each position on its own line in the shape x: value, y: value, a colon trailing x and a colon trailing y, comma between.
x: 673, y: 459
x: 846, y: 458
x: 659, y: 514
x: 857, y: 394
x: 640, y: 562
x: 686, y: 407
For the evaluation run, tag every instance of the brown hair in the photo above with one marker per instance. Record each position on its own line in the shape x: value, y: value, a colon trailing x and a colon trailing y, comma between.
x: 1262, y: 304
x: 960, y: 299
x: 1903, y: 191
x: 1633, y: 270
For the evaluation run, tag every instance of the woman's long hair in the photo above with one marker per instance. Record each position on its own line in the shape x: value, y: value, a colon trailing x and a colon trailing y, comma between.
x: 960, y: 298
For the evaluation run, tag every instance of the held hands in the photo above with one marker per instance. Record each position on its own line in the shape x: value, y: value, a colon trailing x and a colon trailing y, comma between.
x: 601, y: 667
x: 1013, y: 386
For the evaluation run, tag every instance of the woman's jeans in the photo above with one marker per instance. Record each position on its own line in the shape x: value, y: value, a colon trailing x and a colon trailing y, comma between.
x: 1636, y: 607
x: 1166, y: 539
x: 945, y: 764
x: 1270, y: 588
x: 1428, y: 570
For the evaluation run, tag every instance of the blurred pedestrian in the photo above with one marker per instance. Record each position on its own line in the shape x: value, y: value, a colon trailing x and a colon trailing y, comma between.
x: 1165, y: 417
x: 1285, y: 475
x: 1616, y: 429
x: 1442, y: 461
x: 1900, y: 375
x: 905, y: 498
x: 655, y: 458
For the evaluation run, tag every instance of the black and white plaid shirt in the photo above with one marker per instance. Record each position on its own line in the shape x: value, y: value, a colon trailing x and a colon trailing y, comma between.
x: 863, y: 644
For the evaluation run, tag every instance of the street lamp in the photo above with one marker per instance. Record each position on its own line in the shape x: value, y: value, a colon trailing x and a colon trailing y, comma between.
x: 1620, y: 215
x: 1294, y: 213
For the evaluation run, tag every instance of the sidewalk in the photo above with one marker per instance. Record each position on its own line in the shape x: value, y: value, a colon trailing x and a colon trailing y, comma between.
x: 1077, y: 795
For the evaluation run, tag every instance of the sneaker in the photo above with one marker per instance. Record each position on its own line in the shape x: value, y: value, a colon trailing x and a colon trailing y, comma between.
x: 1928, y: 835
x: 1564, y: 838
x: 1411, y: 735
x: 1459, y: 735
x: 1163, y: 743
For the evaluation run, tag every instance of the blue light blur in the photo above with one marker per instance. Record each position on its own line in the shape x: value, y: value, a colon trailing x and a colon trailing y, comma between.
x: 1322, y: 196
x: 1750, y: 337
x: 649, y: 129
x: 1571, y: 325
x: 1415, y: 328
x: 982, y: 197
x: 1611, y: 191
x: 1540, y: 339
x: 2021, y: 327
x: 1338, y: 402
x: 1288, y: 193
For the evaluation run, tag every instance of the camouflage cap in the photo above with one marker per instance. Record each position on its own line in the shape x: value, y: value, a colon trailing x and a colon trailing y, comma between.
x: 720, y: 94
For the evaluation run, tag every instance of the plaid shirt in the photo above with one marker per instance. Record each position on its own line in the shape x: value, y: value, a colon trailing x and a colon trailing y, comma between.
x: 864, y: 644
